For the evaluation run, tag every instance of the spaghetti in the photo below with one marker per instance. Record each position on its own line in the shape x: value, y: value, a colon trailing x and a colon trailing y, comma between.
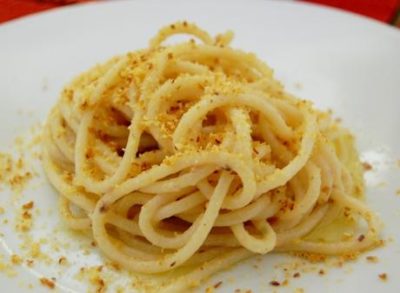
x: 191, y: 157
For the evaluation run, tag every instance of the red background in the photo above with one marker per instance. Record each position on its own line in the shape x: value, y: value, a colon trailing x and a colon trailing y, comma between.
x: 382, y: 10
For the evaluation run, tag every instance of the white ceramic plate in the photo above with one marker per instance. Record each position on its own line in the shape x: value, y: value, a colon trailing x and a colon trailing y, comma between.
x: 341, y: 61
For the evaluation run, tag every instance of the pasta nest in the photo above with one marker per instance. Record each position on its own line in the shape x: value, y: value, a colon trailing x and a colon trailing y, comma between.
x: 192, y: 155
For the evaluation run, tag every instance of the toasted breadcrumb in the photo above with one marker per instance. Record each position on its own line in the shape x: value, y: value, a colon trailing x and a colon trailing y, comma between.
x: 6, y: 267
x: 62, y: 260
x: 28, y: 205
x: 15, y: 259
x: 383, y: 276
x: 275, y: 283
x: 24, y: 220
x: 312, y: 257
x: 218, y: 284
x: 372, y: 259
x: 47, y: 283
x: 367, y: 166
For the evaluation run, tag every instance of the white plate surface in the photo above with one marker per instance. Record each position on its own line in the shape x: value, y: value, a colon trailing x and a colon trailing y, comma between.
x: 341, y: 61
